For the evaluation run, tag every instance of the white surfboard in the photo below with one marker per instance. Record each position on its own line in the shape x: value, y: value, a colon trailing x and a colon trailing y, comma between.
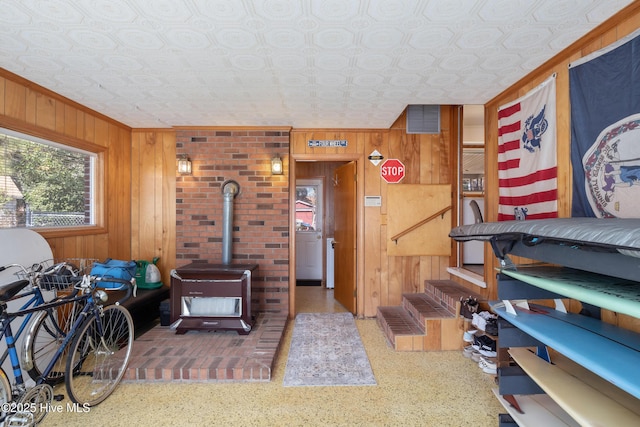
x: 537, y: 410
x: 585, y: 404
x: 21, y: 246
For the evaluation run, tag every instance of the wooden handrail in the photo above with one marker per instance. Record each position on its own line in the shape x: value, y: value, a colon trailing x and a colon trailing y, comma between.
x: 420, y: 224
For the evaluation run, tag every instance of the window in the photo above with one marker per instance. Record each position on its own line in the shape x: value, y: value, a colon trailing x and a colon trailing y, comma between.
x: 45, y: 184
x: 307, y: 207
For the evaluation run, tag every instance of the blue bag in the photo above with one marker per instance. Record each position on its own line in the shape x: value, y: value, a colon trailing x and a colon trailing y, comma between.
x: 114, y: 268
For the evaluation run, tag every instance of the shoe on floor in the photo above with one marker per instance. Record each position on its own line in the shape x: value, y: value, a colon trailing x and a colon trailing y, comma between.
x: 487, y: 362
x: 467, y: 351
x: 487, y: 366
x: 490, y: 370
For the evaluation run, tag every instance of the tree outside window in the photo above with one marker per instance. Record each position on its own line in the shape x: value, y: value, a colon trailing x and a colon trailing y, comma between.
x: 44, y: 185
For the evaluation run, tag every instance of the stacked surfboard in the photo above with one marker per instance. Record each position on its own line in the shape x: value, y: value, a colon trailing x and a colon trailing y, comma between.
x: 593, y: 378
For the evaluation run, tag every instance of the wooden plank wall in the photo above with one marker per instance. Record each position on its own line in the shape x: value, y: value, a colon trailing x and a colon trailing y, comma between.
x: 153, y: 206
x: 28, y: 108
x: 619, y: 26
x: 428, y: 160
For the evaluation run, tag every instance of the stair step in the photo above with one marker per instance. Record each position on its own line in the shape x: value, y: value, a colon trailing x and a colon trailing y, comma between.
x: 426, y: 321
x: 400, y: 329
x: 399, y: 321
x: 448, y: 294
x: 422, y: 307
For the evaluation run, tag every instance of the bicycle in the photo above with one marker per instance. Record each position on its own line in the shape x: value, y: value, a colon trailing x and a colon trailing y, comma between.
x: 97, y: 347
x: 48, y: 326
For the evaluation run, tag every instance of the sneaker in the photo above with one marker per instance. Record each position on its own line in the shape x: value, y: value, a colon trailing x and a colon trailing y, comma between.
x: 476, y: 356
x: 487, y: 366
x: 488, y: 353
x: 490, y: 370
x: 468, y: 335
x: 487, y: 361
x: 478, y: 321
x: 467, y: 351
x: 487, y: 342
x: 484, y: 341
x: 486, y: 315
x: 491, y: 327
x: 485, y: 345
x: 468, y: 307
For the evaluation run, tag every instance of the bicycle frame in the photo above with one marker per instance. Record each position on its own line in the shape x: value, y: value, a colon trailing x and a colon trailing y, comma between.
x: 90, y: 308
x: 6, y: 332
x: 5, y: 328
x: 36, y: 300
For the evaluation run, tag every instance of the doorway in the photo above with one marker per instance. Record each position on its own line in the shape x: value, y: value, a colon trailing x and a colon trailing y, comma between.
x: 471, y: 164
x: 306, y: 172
x: 309, y: 217
x: 472, y: 168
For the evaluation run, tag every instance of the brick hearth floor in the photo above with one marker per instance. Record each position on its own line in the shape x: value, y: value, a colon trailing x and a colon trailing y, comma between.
x: 161, y: 355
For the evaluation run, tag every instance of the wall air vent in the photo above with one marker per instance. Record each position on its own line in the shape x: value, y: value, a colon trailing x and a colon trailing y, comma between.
x: 423, y: 119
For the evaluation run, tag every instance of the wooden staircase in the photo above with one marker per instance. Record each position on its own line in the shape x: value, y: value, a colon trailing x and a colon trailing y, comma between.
x: 427, y: 321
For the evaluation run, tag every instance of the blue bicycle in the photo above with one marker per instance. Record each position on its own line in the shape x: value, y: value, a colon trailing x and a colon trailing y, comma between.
x: 95, y: 350
x: 46, y: 328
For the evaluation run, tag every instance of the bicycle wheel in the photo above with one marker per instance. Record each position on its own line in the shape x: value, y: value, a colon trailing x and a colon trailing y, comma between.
x: 100, y: 360
x: 5, y: 396
x: 46, y: 334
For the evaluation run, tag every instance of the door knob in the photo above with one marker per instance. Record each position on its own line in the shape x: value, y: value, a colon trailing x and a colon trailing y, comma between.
x: 333, y: 244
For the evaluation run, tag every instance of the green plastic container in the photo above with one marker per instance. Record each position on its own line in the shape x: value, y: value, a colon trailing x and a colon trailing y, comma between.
x: 147, y: 274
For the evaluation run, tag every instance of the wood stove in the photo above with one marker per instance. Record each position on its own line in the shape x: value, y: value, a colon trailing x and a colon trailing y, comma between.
x: 212, y: 297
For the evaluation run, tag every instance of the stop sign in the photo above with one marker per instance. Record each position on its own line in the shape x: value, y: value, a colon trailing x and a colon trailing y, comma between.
x: 392, y: 171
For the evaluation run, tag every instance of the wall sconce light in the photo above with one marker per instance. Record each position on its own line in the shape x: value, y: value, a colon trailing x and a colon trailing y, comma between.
x: 276, y: 165
x: 184, y: 165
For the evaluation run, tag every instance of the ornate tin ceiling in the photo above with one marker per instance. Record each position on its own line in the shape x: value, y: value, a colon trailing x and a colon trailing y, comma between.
x: 300, y: 63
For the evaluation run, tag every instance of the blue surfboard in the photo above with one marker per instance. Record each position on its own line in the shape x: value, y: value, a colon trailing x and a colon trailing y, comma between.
x: 613, y: 357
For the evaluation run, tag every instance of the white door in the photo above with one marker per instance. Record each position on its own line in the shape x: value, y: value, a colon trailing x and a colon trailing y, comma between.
x: 309, y: 226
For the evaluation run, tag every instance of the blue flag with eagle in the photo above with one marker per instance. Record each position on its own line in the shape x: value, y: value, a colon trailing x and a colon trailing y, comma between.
x: 604, y: 91
x: 527, y: 156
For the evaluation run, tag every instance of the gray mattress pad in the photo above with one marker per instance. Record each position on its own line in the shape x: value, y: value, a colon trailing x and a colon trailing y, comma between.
x: 621, y: 234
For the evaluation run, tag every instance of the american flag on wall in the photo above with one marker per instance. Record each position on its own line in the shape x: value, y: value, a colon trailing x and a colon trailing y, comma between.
x: 527, y: 158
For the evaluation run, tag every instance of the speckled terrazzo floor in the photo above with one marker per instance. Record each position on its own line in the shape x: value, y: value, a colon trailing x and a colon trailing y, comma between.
x: 414, y: 389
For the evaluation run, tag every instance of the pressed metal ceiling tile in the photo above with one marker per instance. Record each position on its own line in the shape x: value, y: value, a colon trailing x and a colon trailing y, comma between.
x: 306, y: 64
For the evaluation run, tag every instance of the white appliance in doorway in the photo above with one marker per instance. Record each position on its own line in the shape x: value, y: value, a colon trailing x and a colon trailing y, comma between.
x: 331, y: 281
x: 309, y: 229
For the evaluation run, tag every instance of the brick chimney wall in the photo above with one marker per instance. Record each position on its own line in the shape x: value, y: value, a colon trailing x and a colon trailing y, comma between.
x: 261, y: 210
